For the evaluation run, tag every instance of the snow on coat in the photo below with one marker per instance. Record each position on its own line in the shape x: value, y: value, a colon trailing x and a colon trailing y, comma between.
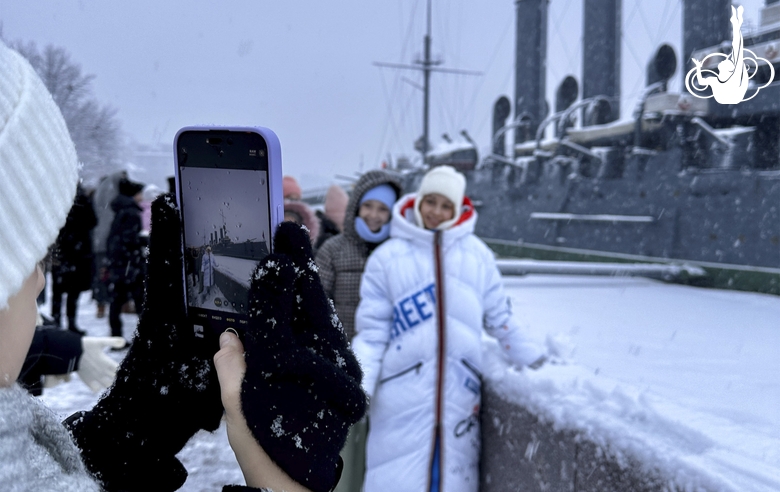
x: 397, y: 344
x: 207, y: 265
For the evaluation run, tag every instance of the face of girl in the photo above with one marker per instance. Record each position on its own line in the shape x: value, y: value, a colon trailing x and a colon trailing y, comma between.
x: 374, y: 213
x: 17, y: 326
x: 435, y: 209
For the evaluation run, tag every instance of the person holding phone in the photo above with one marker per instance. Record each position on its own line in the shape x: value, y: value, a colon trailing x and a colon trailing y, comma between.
x: 295, y: 374
x: 426, y: 296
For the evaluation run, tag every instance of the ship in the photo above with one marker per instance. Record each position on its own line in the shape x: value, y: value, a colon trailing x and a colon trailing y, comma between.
x: 683, y: 180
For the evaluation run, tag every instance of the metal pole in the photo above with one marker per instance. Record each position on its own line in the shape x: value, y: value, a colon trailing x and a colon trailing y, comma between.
x: 426, y: 83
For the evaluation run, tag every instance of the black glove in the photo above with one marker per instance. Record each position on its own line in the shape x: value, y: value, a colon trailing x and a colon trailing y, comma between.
x: 301, y: 392
x: 166, y: 388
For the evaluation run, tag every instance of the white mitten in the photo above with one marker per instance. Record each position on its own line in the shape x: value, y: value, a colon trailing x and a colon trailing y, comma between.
x: 52, y: 380
x: 96, y: 369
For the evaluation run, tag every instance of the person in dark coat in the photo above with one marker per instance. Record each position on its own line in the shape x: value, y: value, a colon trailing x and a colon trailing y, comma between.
x: 124, y: 248
x: 105, y: 193
x: 72, y: 260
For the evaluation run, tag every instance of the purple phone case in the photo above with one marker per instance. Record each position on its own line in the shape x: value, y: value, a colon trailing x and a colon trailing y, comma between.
x: 275, y: 193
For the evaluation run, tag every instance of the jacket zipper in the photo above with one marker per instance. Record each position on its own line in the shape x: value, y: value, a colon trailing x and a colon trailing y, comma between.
x: 399, y: 374
x: 442, y: 344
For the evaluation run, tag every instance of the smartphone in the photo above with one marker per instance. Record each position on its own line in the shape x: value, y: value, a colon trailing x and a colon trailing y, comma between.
x: 229, y: 191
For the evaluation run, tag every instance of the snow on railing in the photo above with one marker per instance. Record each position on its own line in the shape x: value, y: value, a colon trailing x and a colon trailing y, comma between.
x: 651, y: 270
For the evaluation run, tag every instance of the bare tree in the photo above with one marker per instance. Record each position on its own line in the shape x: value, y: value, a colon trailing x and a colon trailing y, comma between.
x: 93, y: 127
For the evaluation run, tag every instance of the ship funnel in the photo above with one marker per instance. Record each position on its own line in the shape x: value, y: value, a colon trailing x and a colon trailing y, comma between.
x: 662, y: 66
x: 705, y: 23
x: 600, y: 111
x: 564, y: 97
x: 601, y: 58
x: 566, y: 94
x: 501, y: 110
x: 530, y: 62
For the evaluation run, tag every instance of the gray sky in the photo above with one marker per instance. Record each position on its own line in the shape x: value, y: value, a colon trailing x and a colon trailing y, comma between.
x: 304, y: 68
x: 213, y: 197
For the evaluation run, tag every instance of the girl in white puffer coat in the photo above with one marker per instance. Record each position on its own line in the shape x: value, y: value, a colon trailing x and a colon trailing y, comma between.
x: 426, y: 295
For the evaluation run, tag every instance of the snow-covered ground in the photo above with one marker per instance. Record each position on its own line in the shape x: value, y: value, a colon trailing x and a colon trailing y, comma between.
x: 684, y: 378
x: 207, y: 298
x: 237, y: 269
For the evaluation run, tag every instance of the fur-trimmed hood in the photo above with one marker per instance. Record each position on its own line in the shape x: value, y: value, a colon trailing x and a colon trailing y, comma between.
x: 369, y: 180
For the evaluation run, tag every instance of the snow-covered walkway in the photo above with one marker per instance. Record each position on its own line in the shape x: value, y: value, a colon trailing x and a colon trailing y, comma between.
x: 684, y: 378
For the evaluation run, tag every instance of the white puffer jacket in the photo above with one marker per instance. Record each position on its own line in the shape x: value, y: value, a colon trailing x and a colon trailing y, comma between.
x: 397, y: 345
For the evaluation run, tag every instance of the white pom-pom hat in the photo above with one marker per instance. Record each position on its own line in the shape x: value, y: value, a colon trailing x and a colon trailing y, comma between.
x: 445, y: 181
x: 38, y: 171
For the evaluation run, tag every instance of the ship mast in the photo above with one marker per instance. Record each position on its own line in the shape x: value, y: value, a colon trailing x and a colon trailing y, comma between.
x: 426, y: 66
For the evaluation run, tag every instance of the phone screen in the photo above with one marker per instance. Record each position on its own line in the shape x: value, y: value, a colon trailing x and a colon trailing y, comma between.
x: 224, y: 202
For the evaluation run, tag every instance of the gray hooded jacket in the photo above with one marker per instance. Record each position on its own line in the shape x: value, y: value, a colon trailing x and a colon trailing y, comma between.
x: 342, y: 258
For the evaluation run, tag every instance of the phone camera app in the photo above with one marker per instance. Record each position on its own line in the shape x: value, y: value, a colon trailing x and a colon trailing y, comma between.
x: 227, y: 232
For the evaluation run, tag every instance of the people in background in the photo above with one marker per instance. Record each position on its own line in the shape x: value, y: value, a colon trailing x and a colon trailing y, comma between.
x: 332, y: 218
x: 291, y: 190
x: 426, y: 296
x: 105, y: 193
x: 302, y: 214
x: 341, y: 261
x: 125, y: 251
x: 72, y: 260
x: 207, y: 265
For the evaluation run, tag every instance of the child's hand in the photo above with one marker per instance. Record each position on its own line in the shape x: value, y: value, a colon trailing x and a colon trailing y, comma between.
x: 258, y: 469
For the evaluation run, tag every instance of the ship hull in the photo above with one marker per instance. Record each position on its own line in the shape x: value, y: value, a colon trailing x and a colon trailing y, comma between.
x: 648, y: 208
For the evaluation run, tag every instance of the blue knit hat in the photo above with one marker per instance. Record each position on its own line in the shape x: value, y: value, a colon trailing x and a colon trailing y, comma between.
x: 383, y: 193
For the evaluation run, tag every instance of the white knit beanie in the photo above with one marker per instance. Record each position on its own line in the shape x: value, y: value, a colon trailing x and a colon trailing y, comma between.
x: 446, y: 181
x: 38, y: 171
